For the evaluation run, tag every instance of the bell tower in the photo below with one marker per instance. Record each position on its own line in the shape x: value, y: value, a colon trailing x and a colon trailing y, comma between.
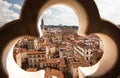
x: 42, y: 25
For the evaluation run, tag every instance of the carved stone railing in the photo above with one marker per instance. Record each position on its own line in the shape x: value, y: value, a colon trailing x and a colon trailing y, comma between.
x: 90, y: 22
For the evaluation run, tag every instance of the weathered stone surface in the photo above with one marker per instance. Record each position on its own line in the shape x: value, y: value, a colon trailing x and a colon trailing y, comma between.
x: 91, y: 23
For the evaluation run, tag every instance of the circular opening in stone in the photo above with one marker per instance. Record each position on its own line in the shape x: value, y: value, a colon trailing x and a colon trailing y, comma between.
x: 59, y: 49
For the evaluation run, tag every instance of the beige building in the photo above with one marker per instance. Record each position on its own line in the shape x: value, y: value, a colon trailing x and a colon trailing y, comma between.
x: 57, y: 63
x: 84, y: 51
x: 32, y: 43
x: 36, y: 59
x: 19, y: 55
x: 18, y: 59
x: 65, y: 51
x: 75, y: 63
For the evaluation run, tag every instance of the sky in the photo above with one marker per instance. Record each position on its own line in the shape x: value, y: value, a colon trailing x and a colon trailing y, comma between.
x: 108, y: 9
x: 60, y: 14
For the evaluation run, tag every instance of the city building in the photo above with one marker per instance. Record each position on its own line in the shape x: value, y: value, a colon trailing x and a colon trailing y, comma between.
x: 36, y: 59
x: 20, y: 56
x: 32, y: 43
x: 74, y: 63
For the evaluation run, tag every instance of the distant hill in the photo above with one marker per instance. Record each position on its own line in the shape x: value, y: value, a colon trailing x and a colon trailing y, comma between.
x: 60, y: 26
x: 118, y: 26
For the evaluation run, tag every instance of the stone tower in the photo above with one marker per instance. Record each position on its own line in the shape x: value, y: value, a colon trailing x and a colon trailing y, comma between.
x: 42, y: 25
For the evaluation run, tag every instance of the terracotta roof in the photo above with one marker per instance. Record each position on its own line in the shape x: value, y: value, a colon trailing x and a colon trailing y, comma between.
x: 53, y: 72
x: 31, y: 69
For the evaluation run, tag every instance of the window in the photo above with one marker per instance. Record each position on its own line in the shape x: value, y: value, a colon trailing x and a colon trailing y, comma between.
x: 43, y: 56
x: 87, y: 53
x: 38, y: 56
x: 31, y: 66
x: 38, y: 60
x: 30, y: 56
x: 91, y: 52
x: 34, y: 60
x: 35, y: 66
x: 30, y: 61
x: 86, y: 58
x: 38, y: 65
